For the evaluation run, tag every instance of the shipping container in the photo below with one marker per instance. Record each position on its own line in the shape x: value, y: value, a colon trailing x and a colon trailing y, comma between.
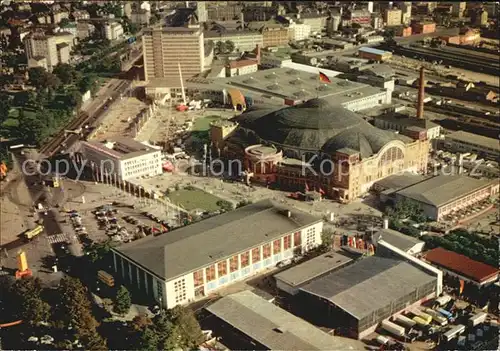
x: 393, y: 328
x: 477, y: 319
x: 404, y: 321
x: 454, y: 332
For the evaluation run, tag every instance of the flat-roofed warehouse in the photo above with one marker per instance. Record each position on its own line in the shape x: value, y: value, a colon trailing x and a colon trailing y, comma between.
x: 277, y: 87
x: 292, y: 279
x: 355, y: 299
x: 442, y: 195
x: 291, y: 86
x: 261, y: 325
x: 191, y: 262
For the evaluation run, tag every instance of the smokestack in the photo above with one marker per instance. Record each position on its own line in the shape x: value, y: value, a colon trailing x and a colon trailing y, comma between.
x: 421, y: 94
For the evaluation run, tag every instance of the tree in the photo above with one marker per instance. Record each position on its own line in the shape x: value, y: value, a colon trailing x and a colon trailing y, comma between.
x: 30, y: 128
x: 122, y: 301
x: 149, y: 340
x: 27, y: 297
x: 141, y: 322
x: 74, y: 308
x: 327, y: 239
x: 35, y: 310
x: 229, y: 46
x: 220, y: 47
x: 183, y: 325
x: 93, y: 341
x: 37, y: 77
x: 5, y: 106
x: 65, y: 72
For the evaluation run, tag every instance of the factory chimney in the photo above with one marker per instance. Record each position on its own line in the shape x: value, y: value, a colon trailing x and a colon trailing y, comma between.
x: 421, y: 94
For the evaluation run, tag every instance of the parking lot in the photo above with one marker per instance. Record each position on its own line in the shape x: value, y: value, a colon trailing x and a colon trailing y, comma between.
x: 122, y: 219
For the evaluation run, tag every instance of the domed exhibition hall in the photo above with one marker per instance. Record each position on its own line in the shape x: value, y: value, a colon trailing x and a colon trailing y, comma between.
x: 346, y: 154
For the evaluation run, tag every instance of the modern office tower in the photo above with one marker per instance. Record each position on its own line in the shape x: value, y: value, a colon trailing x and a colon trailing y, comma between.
x: 164, y: 48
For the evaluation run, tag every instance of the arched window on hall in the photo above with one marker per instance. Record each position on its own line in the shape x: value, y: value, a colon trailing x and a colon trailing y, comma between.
x: 390, y: 161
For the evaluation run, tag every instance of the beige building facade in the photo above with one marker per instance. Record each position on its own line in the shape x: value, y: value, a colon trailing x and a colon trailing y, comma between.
x: 54, y: 48
x: 165, y: 48
x: 392, y: 17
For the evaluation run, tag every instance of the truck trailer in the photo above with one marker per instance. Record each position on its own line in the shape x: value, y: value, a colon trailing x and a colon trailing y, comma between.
x: 404, y: 321
x: 478, y: 318
x: 392, y: 328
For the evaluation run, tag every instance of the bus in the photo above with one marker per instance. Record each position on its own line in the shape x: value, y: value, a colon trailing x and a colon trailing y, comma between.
x: 30, y: 234
x: 106, y: 278
x: 453, y: 332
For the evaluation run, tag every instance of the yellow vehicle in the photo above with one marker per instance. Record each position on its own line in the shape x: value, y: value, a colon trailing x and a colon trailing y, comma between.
x: 424, y: 316
x: 55, y: 182
x: 106, y: 278
x: 421, y: 322
x: 30, y: 234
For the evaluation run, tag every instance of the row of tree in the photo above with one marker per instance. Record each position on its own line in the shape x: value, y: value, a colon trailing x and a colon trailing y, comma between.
x: 170, y: 330
x: 468, y: 244
x: 69, y: 319
x: 43, y: 111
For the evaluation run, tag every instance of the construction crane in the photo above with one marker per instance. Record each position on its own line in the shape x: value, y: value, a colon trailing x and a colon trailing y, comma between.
x: 183, y: 106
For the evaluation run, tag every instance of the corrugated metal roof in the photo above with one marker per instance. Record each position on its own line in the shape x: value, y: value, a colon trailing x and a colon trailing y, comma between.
x: 369, y: 284
x: 273, y: 327
x: 461, y: 264
x: 442, y: 189
x: 313, y: 268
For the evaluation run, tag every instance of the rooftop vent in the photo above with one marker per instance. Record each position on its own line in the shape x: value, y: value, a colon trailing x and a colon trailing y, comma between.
x: 296, y: 81
x: 292, y: 72
x: 271, y: 76
x: 300, y: 93
x: 275, y: 86
x: 250, y: 80
x: 322, y: 87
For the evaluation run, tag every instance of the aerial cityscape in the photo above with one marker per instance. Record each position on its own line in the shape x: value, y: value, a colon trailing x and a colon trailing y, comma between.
x: 249, y: 175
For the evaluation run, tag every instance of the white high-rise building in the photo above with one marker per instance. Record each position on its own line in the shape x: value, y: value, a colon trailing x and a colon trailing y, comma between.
x: 201, y: 11
x: 370, y: 6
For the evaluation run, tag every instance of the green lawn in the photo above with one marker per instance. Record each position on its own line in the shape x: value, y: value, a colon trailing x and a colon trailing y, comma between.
x: 203, y: 124
x: 12, y: 121
x: 194, y: 199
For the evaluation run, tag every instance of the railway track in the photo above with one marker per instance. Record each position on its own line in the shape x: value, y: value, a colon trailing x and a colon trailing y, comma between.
x: 61, y: 141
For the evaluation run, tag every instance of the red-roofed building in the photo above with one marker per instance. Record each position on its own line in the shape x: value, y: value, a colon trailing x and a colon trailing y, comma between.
x: 241, y: 67
x: 462, y: 266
